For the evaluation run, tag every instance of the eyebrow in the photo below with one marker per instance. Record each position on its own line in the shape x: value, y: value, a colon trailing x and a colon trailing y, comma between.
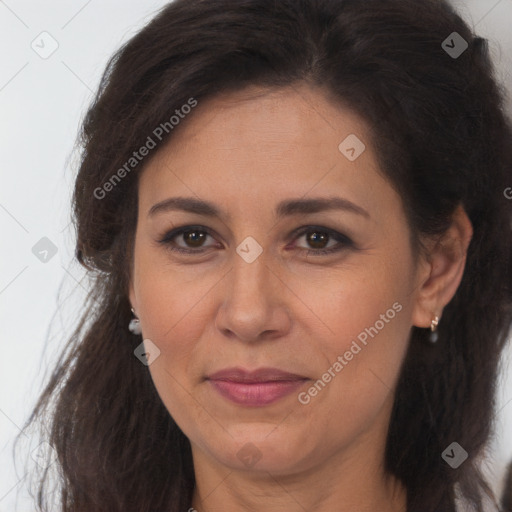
x: 284, y: 208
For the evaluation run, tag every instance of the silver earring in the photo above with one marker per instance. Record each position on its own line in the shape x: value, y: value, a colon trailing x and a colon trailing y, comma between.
x: 134, y: 325
x: 433, y: 336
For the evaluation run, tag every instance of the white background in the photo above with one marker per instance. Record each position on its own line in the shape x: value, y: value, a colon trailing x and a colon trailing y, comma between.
x: 42, y: 102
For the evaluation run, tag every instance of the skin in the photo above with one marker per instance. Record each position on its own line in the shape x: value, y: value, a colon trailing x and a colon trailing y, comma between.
x: 246, y: 152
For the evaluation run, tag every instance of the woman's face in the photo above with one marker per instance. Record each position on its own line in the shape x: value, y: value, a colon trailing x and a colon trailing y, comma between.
x: 255, y: 291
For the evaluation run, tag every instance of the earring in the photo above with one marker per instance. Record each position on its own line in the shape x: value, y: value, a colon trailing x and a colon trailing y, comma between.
x: 433, y: 336
x: 134, y: 325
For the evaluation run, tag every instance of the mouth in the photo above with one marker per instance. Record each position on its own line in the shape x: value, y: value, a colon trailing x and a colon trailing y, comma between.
x: 255, y: 388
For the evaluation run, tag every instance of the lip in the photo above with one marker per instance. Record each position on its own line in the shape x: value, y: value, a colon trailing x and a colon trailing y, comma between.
x: 255, y: 388
x: 259, y: 375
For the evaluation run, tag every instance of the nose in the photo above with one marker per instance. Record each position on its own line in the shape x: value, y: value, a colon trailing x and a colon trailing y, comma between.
x: 253, y: 302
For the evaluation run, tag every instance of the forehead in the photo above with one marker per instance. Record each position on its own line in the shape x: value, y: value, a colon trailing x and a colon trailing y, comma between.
x: 266, y: 144
x: 281, y: 117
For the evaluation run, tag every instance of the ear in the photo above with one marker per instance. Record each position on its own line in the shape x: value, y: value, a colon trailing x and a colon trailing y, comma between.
x: 441, y: 270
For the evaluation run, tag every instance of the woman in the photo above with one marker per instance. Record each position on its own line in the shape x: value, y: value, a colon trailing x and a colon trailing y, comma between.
x: 295, y: 216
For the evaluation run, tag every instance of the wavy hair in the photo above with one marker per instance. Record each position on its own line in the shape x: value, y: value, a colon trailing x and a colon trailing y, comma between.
x: 442, y: 139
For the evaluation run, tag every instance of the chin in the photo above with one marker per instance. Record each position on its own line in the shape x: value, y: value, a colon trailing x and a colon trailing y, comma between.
x: 262, y: 448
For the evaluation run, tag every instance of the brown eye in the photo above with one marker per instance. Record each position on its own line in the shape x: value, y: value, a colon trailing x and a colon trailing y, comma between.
x: 318, y: 238
x: 188, y: 240
x: 194, y: 238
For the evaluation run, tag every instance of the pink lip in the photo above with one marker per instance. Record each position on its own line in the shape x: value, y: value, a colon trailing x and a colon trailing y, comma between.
x: 256, y: 388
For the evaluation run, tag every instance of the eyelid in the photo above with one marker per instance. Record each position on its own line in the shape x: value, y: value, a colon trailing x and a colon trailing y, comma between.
x: 169, y: 235
x: 342, y: 239
x: 331, y: 232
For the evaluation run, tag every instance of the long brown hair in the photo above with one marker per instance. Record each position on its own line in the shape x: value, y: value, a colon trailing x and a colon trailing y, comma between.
x: 442, y: 140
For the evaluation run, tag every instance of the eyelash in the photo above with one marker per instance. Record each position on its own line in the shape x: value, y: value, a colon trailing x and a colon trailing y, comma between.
x: 343, y: 241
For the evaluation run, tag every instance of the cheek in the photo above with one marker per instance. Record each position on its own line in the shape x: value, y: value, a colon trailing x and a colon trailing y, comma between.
x: 368, y: 295
x: 359, y: 312
x: 368, y: 317
x: 171, y: 298
x: 173, y: 311
x: 175, y: 308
